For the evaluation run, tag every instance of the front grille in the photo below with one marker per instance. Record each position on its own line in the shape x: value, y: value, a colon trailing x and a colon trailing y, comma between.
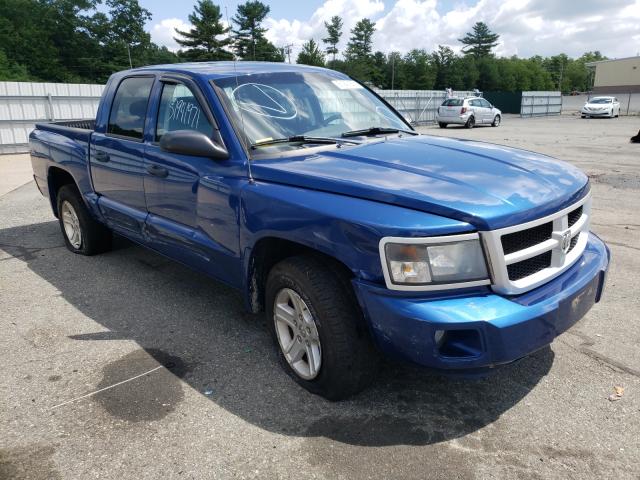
x: 574, y: 242
x: 529, y: 266
x: 574, y: 216
x: 514, y: 242
x: 526, y: 256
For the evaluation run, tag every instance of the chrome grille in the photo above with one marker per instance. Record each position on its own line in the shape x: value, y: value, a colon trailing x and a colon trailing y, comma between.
x: 525, y: 256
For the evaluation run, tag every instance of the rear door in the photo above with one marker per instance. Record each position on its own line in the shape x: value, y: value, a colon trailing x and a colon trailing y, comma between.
x: 487, y: 111
x: 478, y: 110
x: 117, y: 157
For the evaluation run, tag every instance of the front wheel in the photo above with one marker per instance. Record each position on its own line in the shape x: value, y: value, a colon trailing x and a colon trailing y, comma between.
x: 471, y: 122
x: 496, y: 121
x: 318, y: 329
x: 82, y: 234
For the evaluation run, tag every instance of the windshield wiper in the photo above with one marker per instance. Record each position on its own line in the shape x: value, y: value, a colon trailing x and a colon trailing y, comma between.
x: 300, y: 139
x: 376, y: 131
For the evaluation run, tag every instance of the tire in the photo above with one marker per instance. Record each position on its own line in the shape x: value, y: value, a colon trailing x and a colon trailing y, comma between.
x: 93, y: 237
x: 442, y: 125
x: 471, y: 122
x: 496, y: 121
x: 348, y: 361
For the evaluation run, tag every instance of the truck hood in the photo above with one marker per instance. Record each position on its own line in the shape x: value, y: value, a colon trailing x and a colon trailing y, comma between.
x: 489, y: 186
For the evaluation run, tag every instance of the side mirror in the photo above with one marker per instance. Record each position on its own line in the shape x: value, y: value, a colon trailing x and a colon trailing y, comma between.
x: 191, y: 142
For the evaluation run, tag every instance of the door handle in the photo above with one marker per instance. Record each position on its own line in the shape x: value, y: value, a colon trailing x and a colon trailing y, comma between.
x: 158, y: 171
x: 101, y: 156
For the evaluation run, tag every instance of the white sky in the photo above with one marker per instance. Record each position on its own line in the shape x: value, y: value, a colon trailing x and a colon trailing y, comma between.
x: 526, y: 27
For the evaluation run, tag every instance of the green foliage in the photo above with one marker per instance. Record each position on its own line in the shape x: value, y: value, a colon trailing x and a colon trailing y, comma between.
x: 69, y: 41
x: 334, y: 32
x: 480, y: 41
x: 249, y: 40
x: 202, y: 40
x: 311, y: 54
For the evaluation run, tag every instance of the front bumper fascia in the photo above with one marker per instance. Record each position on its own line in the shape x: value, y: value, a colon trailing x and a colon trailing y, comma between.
x: 504, y: 328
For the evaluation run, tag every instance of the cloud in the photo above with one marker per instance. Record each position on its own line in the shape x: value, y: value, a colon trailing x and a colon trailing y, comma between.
x: 162, y: 33
x: 526, y: 27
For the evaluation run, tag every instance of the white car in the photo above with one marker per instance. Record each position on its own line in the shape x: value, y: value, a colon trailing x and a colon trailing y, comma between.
x: 601, y: 107
x: 470, y: 111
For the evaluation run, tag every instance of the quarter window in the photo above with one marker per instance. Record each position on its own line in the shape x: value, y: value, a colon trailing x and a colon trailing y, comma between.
x: 129, y: 108
x: 180, y: 110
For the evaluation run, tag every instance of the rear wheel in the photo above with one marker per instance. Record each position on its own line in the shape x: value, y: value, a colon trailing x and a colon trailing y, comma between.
x: 318, y: 329
x: 442, y: 125
x: 471, y: 122
x: 496, y: 121
x: 82, y: 233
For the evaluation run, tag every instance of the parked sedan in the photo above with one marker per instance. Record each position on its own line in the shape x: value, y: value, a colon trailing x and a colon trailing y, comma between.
x: 601, y: 107
x: 470, y: 111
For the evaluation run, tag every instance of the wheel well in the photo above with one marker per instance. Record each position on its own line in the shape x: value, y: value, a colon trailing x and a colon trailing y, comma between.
x: 268, y: 251
x: 57, y: 178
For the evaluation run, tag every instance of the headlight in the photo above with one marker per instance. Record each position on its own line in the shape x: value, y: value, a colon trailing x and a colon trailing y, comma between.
x: 433, y: 263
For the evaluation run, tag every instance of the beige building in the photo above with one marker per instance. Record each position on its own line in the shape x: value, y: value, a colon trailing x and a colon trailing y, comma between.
x: 621, y: 75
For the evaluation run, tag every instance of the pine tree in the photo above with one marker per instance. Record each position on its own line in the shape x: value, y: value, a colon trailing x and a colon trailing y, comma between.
x: 334, y: 32
x: 311, y: 54
x: 361, y: 41
x: 479, y: 42
x: 249, y: 40
x: 202, y: 40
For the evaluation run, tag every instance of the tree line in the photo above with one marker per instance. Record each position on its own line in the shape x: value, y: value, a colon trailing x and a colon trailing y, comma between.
x: 87, y: 40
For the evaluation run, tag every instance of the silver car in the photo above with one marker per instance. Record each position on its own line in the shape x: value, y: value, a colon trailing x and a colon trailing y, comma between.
x: 470, y: 111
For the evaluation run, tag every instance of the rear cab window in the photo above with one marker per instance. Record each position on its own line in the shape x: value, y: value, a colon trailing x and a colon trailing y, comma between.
x: 129, y: 108
x: 180, y: 110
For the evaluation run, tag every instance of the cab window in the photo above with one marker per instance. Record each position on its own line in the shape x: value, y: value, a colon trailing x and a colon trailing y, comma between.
x: 180, y: 110
x: 129, y: 108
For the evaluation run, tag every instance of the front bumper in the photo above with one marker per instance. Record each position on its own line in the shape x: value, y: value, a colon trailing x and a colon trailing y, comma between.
x: 477, y: 329
x: 597, y: 113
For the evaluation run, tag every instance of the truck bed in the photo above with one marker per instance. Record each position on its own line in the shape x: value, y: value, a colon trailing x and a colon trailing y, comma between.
x: 75, y: 129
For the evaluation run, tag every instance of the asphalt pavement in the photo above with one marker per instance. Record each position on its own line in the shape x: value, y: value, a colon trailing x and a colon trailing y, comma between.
x: 188, y: 385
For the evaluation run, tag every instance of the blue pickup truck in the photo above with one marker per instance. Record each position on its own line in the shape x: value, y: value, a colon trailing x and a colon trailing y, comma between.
x: 356, y: 236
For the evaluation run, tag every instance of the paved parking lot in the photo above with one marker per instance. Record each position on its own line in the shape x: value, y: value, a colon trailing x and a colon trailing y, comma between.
x: 208, y: 399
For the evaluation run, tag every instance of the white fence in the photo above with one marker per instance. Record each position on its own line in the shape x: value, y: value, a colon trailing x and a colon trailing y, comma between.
x: 417, y: 106
x: 538, y: 104
x: 22, y: 104
x: 629, y: 102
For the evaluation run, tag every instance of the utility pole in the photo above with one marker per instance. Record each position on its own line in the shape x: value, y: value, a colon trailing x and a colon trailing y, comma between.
x: 393, y: 70
x: 560, y: 83
x: 129, y: 54
x: 287, y: 50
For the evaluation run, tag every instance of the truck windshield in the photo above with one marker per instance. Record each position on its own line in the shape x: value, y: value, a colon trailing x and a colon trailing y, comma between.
x: 293, y: 104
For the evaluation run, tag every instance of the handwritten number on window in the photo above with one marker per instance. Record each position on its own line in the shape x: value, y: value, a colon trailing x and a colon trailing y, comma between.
x: 186, y: 113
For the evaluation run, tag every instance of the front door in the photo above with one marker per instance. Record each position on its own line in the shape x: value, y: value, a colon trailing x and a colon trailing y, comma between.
x: 192, y: 211
x: 117, y: 158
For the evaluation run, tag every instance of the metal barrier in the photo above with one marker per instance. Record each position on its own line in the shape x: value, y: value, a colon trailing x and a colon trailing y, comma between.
x: 418, y: 107
x: 539, y: 104
x: 22, y: 104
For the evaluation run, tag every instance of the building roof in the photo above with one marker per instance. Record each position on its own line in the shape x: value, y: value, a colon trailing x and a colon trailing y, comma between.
x: 589, y: 64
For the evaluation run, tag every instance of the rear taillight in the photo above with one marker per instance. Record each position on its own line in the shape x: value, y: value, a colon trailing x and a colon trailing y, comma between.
x: 463, y: 110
